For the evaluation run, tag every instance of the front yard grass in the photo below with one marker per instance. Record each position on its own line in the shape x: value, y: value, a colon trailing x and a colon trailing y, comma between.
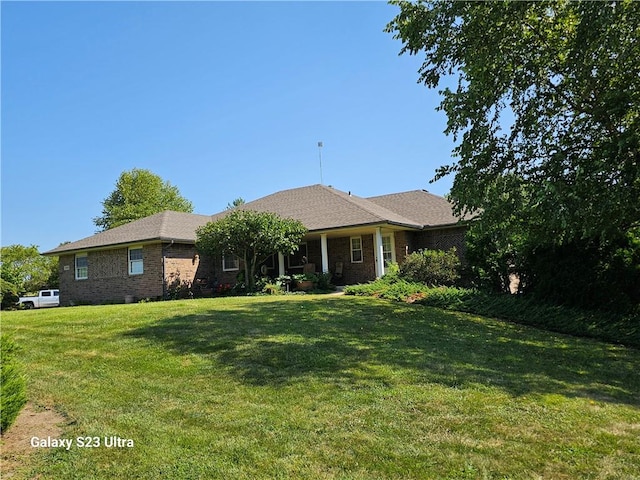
x: 325, y: 387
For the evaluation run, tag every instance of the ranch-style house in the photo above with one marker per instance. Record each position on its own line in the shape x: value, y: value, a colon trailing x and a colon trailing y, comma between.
x: 352, y: 237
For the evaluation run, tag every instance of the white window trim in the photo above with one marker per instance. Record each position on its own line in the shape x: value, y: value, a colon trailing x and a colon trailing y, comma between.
x: 231, y: 269
x: 392, y: 246
x: 361, y: 249
x: 75, y: 265
x: 131, y: 262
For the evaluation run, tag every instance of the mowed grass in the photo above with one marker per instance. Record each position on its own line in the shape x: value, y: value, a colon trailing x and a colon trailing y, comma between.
x: 325, y: 387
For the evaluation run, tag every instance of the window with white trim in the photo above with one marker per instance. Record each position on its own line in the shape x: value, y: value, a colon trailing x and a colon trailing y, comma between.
x: 356, y: 249
x: 136, y: 261
x: 387, y: 250
x: 230, y: 262
x: 82, y: 266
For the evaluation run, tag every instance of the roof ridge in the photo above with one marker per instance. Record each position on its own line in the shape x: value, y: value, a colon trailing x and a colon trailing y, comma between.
x: 371, y: 211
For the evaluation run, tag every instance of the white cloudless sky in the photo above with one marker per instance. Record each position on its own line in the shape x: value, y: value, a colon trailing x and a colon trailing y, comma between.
x: 222, y: 99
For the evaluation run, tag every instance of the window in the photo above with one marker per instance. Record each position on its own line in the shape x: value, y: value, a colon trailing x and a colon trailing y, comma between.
x: 136, y: 261
x: 46, y: 294
x: 230, y: 262
x: 387, y: 250
x: 82, y: 266
x: 299, y: 257
x: 356, y: 249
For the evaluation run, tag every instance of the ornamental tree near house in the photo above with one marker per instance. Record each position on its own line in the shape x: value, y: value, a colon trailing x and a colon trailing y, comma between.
x: 252, y: 236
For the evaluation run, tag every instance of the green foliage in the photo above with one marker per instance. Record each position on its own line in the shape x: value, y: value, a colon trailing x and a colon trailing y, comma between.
x: 272, y: 288
x: 252, y: 236
x: 546, y: 114
x: 13, y: 392
x: 613, y: 327
x: 323, y: 282
x: 548, y: 95
x: 27, y: 270
x: 9, y: 294
x: 608, y: 326
x: 138, y: 194
x: 391, y: 288
x: 431, y: 267
x: 236, y: 203
x: 586, y: 274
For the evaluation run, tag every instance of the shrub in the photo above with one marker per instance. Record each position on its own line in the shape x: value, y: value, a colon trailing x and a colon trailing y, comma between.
x: 324, y: 282
x: 13, y: 394
x: 389, y: 287
x: 8, y: 295
x: 272, y: 288
x: 431, y: 267
x: 524, y: 309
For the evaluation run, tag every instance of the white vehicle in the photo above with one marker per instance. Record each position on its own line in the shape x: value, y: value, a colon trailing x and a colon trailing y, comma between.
x: 45, y: 298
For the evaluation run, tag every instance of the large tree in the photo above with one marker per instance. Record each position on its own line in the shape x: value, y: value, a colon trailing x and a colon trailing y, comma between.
x: 28, y: 271
x: 548, y: 94
x: 546, y: 115
x: 252, y: 236
x: 138, y: 194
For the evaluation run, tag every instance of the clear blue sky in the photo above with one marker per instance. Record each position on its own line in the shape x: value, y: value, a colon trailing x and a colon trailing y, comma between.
x: 222, y: 99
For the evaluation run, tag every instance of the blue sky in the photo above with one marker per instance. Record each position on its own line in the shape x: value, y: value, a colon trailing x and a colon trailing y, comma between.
x: 222, y: 99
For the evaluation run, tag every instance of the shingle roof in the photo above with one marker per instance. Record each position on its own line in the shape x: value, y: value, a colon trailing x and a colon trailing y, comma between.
x: 421, y: 206
x: 318, y: 207
x: 167, y: 225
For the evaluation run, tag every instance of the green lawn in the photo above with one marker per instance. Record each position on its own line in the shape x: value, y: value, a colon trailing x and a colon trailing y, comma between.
x: 325, y: 387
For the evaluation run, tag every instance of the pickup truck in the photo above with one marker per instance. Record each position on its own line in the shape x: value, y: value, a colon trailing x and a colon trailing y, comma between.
x: 45, y: 298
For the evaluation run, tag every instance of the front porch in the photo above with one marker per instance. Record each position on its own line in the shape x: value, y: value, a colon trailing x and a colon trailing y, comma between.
x: 352, y: 256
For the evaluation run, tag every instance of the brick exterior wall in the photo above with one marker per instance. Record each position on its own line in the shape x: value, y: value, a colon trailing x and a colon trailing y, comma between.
x: 439, y: 239
x: 340, y: 251
x: 108, y: 277
x: 183, y: 266
x: 109, y: 280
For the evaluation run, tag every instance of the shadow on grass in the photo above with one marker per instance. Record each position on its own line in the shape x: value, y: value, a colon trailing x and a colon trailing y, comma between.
x: 359, y: 341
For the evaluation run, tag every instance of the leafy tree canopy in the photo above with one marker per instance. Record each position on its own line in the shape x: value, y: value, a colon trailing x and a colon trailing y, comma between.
x: 236, y: 203
x: 25, y: 270
x: 546, y: 111
x: 138, y: 194
x: 252, y: 236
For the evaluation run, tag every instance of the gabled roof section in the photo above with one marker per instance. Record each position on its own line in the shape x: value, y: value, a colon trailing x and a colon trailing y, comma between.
x: 421, y: 206
x: 167, y: 225
x: 319, y: 207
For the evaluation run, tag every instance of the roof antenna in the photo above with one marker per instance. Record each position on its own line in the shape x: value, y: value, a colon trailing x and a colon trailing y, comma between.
x: 320, y: 156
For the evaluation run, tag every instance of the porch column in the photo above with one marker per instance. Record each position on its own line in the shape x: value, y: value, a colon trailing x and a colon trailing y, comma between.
x: 281, y: 271
x: 325, y: 252
x: 379, y: 253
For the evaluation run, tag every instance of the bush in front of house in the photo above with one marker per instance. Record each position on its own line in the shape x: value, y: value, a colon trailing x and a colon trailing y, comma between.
x: 431, y: 267
x: 13, y: 393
